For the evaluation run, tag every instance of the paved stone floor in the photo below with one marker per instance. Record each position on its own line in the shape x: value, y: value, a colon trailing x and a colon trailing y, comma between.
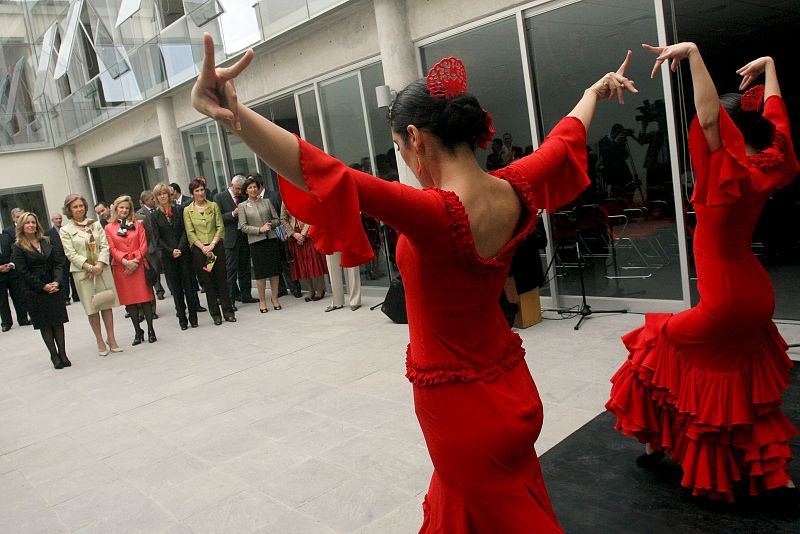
x: 296, y: 421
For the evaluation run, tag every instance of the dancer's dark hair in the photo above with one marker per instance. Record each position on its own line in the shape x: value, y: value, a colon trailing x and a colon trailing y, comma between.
x: 454, y: 121
x: 756, y: 130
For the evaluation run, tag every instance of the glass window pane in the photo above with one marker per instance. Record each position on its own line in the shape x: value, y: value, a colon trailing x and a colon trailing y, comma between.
x: 278, y: 15
x: 495, y: 77
x: 620, y: 235
x: 380, y: 133
x: 29, y: 198
x: 127, y: 9
x: 344, y: 121
x: 310, y: 116
x: 241, y: 160
x: 239, y: 25
x: 68, y: 44
x: 203, y: 156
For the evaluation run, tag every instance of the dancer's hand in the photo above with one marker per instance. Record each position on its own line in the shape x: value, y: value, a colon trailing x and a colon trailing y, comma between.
x: 753, y: 70
x: 675, y: 52
x: 614, y: 83
x: 214, y: 93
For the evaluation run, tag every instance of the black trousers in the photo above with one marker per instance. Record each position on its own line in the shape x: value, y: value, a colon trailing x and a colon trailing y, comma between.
x: 215, y: 282
x: 178, y: 272
x: 238, y: 266
x: 10, y: 283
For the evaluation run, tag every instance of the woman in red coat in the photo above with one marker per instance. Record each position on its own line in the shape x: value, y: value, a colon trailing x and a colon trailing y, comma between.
x: 705, y: 385
x: 128, y: 244
x: 474, y: 397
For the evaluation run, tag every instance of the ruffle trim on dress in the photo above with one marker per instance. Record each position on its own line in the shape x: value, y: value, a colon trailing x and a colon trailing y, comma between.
x: 331, y: 206
x: 464, y: 242
x: 720, y: 427
x: 725, y: 175
x: 452, y: 372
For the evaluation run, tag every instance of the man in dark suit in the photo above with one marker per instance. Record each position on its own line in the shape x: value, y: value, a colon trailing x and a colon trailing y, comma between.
x: 9, y: 283
x: 102, y: 212
x: 237, y: 251
x: 178, y: 198
x: 66, y: 281
x: 147, y: 205
x: 11, y: 229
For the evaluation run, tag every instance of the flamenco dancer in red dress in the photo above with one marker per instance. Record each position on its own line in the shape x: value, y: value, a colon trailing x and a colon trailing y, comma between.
x: 475, y: 400
x: 705, y: 385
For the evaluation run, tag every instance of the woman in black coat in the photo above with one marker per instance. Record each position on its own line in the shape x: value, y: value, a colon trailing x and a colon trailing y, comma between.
x: 41, y: 265
x: 170, y: 236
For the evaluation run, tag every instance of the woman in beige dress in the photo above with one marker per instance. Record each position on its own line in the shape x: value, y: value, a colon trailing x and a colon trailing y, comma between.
x: 86, y: 248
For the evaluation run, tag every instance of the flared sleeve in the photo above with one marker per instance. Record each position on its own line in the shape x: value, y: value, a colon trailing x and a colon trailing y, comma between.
x: 338, y: 194
x: 556, y: 173
x: 728, y: 173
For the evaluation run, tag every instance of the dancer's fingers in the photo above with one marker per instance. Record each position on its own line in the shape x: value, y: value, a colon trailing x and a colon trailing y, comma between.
x: 656, y: 67
x: 653, y: 49
x: 625, y: 63
x: 229, y: 73
x: 232, y: 100
x: 208, y: 57
x: 675, y: 63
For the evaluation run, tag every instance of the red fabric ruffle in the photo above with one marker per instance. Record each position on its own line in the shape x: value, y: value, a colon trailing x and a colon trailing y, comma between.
x: 331, y: 206
x: 446, y: 372
x: 720, y: 427
x: 727, y: 174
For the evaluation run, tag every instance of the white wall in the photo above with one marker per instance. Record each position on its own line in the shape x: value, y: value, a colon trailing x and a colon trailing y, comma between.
x: 131, y: 129
x: 426, y: 18
x: 44, y: 167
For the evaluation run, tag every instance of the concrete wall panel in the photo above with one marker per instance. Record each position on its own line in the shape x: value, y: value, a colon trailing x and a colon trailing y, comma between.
x: 427, y: 18
x: 131, y: 129
x: 45, y: 167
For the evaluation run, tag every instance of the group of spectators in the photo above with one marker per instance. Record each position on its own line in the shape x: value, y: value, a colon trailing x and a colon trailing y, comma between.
x: 215, y: 246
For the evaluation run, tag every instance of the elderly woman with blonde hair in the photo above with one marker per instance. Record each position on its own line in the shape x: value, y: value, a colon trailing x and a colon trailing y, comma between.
x: 86, y: 248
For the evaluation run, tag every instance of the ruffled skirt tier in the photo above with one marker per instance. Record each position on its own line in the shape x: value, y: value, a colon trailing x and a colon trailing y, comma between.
x: 721, y: 425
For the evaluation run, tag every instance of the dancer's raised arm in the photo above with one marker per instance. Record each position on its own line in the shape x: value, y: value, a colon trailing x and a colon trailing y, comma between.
x: 613, y: 84
x: 214, y: 95
x: 763, y: 65
x: 706, y: 100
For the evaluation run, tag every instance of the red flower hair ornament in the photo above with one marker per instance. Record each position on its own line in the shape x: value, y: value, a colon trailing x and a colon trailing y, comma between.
x: 448, y: 79
x: 753, y: 99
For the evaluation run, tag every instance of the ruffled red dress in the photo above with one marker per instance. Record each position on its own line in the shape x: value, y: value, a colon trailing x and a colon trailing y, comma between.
x: 705, y: 385
x: 475, y: 400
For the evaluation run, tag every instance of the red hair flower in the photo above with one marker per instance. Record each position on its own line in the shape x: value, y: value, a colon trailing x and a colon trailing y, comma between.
x: 483, y: 140
x: 447, y: 79
x: 753, y: 98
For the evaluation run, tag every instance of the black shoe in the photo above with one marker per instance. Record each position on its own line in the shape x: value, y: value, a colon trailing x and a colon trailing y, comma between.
x: 201, y: 309
x: 155, y: 316
x: 249, y: 300
x: 183, y: 324
x: 217, y: 321
x: 234, y: 308
x: 127, y: 315
x: 25, y: 323
x: 230, y: 319
x: 297, y: 294
x: 193, y: 320
x: 282, y: 293
x: 65, y: 361
x: 160, y: 296
x: 137, y: 340
x: 56, y: 362
x: 151, y: 336
x: 6, y: 327
x: 651, y: 461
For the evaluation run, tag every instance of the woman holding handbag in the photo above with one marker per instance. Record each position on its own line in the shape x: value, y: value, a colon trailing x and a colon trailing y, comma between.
x: 258, y: 219
x: 86, y: 248
x: 128, y: 243
x: 40, y: 265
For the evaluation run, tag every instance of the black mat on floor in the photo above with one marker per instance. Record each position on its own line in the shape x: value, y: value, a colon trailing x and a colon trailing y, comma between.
x: 595, y: 487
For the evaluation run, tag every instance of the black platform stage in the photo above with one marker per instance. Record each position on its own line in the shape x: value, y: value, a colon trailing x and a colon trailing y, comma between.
x: 595, y: 487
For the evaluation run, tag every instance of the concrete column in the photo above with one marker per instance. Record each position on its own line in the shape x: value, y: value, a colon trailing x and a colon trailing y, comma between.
x: 77, y: 176
x: 398, y: 56
x: 171, y: 143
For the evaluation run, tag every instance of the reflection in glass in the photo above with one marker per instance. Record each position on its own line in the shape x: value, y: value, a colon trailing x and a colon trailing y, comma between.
x: 380, y: 133
x: 279, y: 15
x: 203, y: 155
x: 310, y: 115
x: 241, y: 160
x: 621, y: 232
x: 238, y: 25
x: 29, y: 198
x: 203, y: 11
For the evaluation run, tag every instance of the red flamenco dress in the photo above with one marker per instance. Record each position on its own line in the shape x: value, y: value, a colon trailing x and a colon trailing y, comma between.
x: 705, y: 385
x: 474, y: 397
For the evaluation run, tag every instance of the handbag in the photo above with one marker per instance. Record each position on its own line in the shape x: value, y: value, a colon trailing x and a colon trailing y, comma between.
x: 280, y: 231
x: 102, y: 299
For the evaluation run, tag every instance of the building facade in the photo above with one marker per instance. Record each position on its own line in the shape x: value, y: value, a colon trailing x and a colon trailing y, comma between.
x: 94, y: 99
